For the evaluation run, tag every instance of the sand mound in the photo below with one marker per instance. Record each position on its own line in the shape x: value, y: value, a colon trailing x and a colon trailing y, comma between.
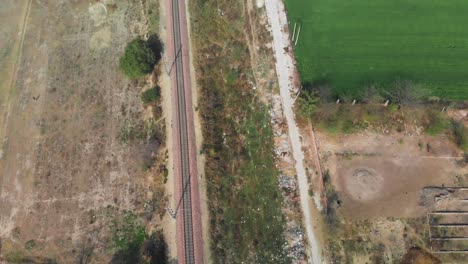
x: 364, y: 184
x: 98, y: 13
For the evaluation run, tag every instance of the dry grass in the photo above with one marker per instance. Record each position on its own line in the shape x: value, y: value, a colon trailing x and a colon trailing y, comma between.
x: 62, y: 157
x: 247, y: 223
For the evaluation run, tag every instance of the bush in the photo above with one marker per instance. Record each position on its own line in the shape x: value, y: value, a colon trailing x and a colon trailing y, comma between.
x: 138, y: 59
x: 460, y: 133
x: 307, y: 103
x: 152, y: 95
x: 437, y: 123
x: 405, y: 92
x: 30, y: 244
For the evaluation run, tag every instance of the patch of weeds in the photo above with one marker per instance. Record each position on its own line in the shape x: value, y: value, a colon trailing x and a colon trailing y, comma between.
x: 378, y: 253
x: 153, y: 16
x: 356, y: 246
x: 138, y: 130
x: 17, y: 257
x: 460, y: 133
x: 30, y: 244
x: 333, y: 202
x: 231, y: 77
x: 348, y: 155
x: 16, y: 232
x: 393, y: 108
x: 165, y: 173
x: 127, y: 232
x: 85, y: 253
x: 147, y: 164
x: 131, y: 244
x: 151, y: 95
x: 334, y: 250
x: 14, y: 257
x: 346, y: 118
x: 420, y: 145
x: 437, y: 123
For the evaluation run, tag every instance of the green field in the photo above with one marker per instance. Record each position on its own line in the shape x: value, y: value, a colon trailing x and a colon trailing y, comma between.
x: 354, y: 43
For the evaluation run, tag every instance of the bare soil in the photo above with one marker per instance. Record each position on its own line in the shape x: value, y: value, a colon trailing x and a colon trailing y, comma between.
x: 66, y: 170
x: 169, y: 223
x: 384, y: 175
x: 386, y: 183
x: 418, y: 256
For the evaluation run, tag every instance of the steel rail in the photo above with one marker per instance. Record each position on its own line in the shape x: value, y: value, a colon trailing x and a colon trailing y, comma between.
x: 183, y: 140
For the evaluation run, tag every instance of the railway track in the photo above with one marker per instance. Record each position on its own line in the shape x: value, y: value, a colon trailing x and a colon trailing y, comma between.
x: 186, y: 211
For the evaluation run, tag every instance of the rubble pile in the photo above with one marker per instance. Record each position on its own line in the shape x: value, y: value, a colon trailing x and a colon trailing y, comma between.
x: 287, y: 182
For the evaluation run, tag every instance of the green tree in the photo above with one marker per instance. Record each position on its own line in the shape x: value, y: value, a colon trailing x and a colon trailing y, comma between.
x: 307, y: 103
x: 138, y: 59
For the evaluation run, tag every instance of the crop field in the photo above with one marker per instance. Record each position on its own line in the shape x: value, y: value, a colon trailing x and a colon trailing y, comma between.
x: 350, y: 45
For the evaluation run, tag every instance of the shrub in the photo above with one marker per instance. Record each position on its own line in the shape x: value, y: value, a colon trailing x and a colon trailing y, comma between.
x: 30, y: 244
x: 152, y: 95
x: 406, y: 92
x: 138, y: 59
x: 437, y: 123
x: 307, y: 103
x: 460, y: 133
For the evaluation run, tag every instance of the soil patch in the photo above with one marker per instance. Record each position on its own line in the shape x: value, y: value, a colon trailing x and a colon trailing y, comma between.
x: 377, y: 174
x: 363, y: 184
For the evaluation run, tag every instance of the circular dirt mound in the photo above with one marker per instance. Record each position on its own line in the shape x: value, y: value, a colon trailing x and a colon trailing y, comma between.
x: 364, y: 184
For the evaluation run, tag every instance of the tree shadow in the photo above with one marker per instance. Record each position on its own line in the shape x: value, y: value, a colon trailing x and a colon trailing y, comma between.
x: 154, y: 250
x: 156, y: 45
x: 322, y: 87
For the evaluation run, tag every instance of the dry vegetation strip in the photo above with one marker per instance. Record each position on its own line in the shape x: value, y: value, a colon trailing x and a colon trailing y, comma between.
x: 244, y: 199
x: 93, y: 152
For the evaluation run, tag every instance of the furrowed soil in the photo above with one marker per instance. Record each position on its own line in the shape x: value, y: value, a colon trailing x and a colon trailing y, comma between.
x: 77, y: 145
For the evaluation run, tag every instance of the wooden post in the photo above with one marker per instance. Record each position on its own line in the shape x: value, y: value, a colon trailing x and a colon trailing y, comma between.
x: 294, y: 31
x: 298, y: 32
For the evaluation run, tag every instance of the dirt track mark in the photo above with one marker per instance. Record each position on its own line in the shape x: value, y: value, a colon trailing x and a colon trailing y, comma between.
x: 16, y: 65
x: 13, y: 78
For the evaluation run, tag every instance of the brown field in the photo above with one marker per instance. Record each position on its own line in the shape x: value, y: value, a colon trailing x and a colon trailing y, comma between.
x: 381, y: 182
x: 383, y: 175
x: 75, y: 151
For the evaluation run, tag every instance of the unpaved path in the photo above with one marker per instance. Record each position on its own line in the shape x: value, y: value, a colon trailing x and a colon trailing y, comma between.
x: 168, y: 223
x: 285, y: 71
x: 8, y: 90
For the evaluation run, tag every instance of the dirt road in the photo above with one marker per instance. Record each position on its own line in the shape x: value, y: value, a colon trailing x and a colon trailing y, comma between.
x: 285, y: 71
